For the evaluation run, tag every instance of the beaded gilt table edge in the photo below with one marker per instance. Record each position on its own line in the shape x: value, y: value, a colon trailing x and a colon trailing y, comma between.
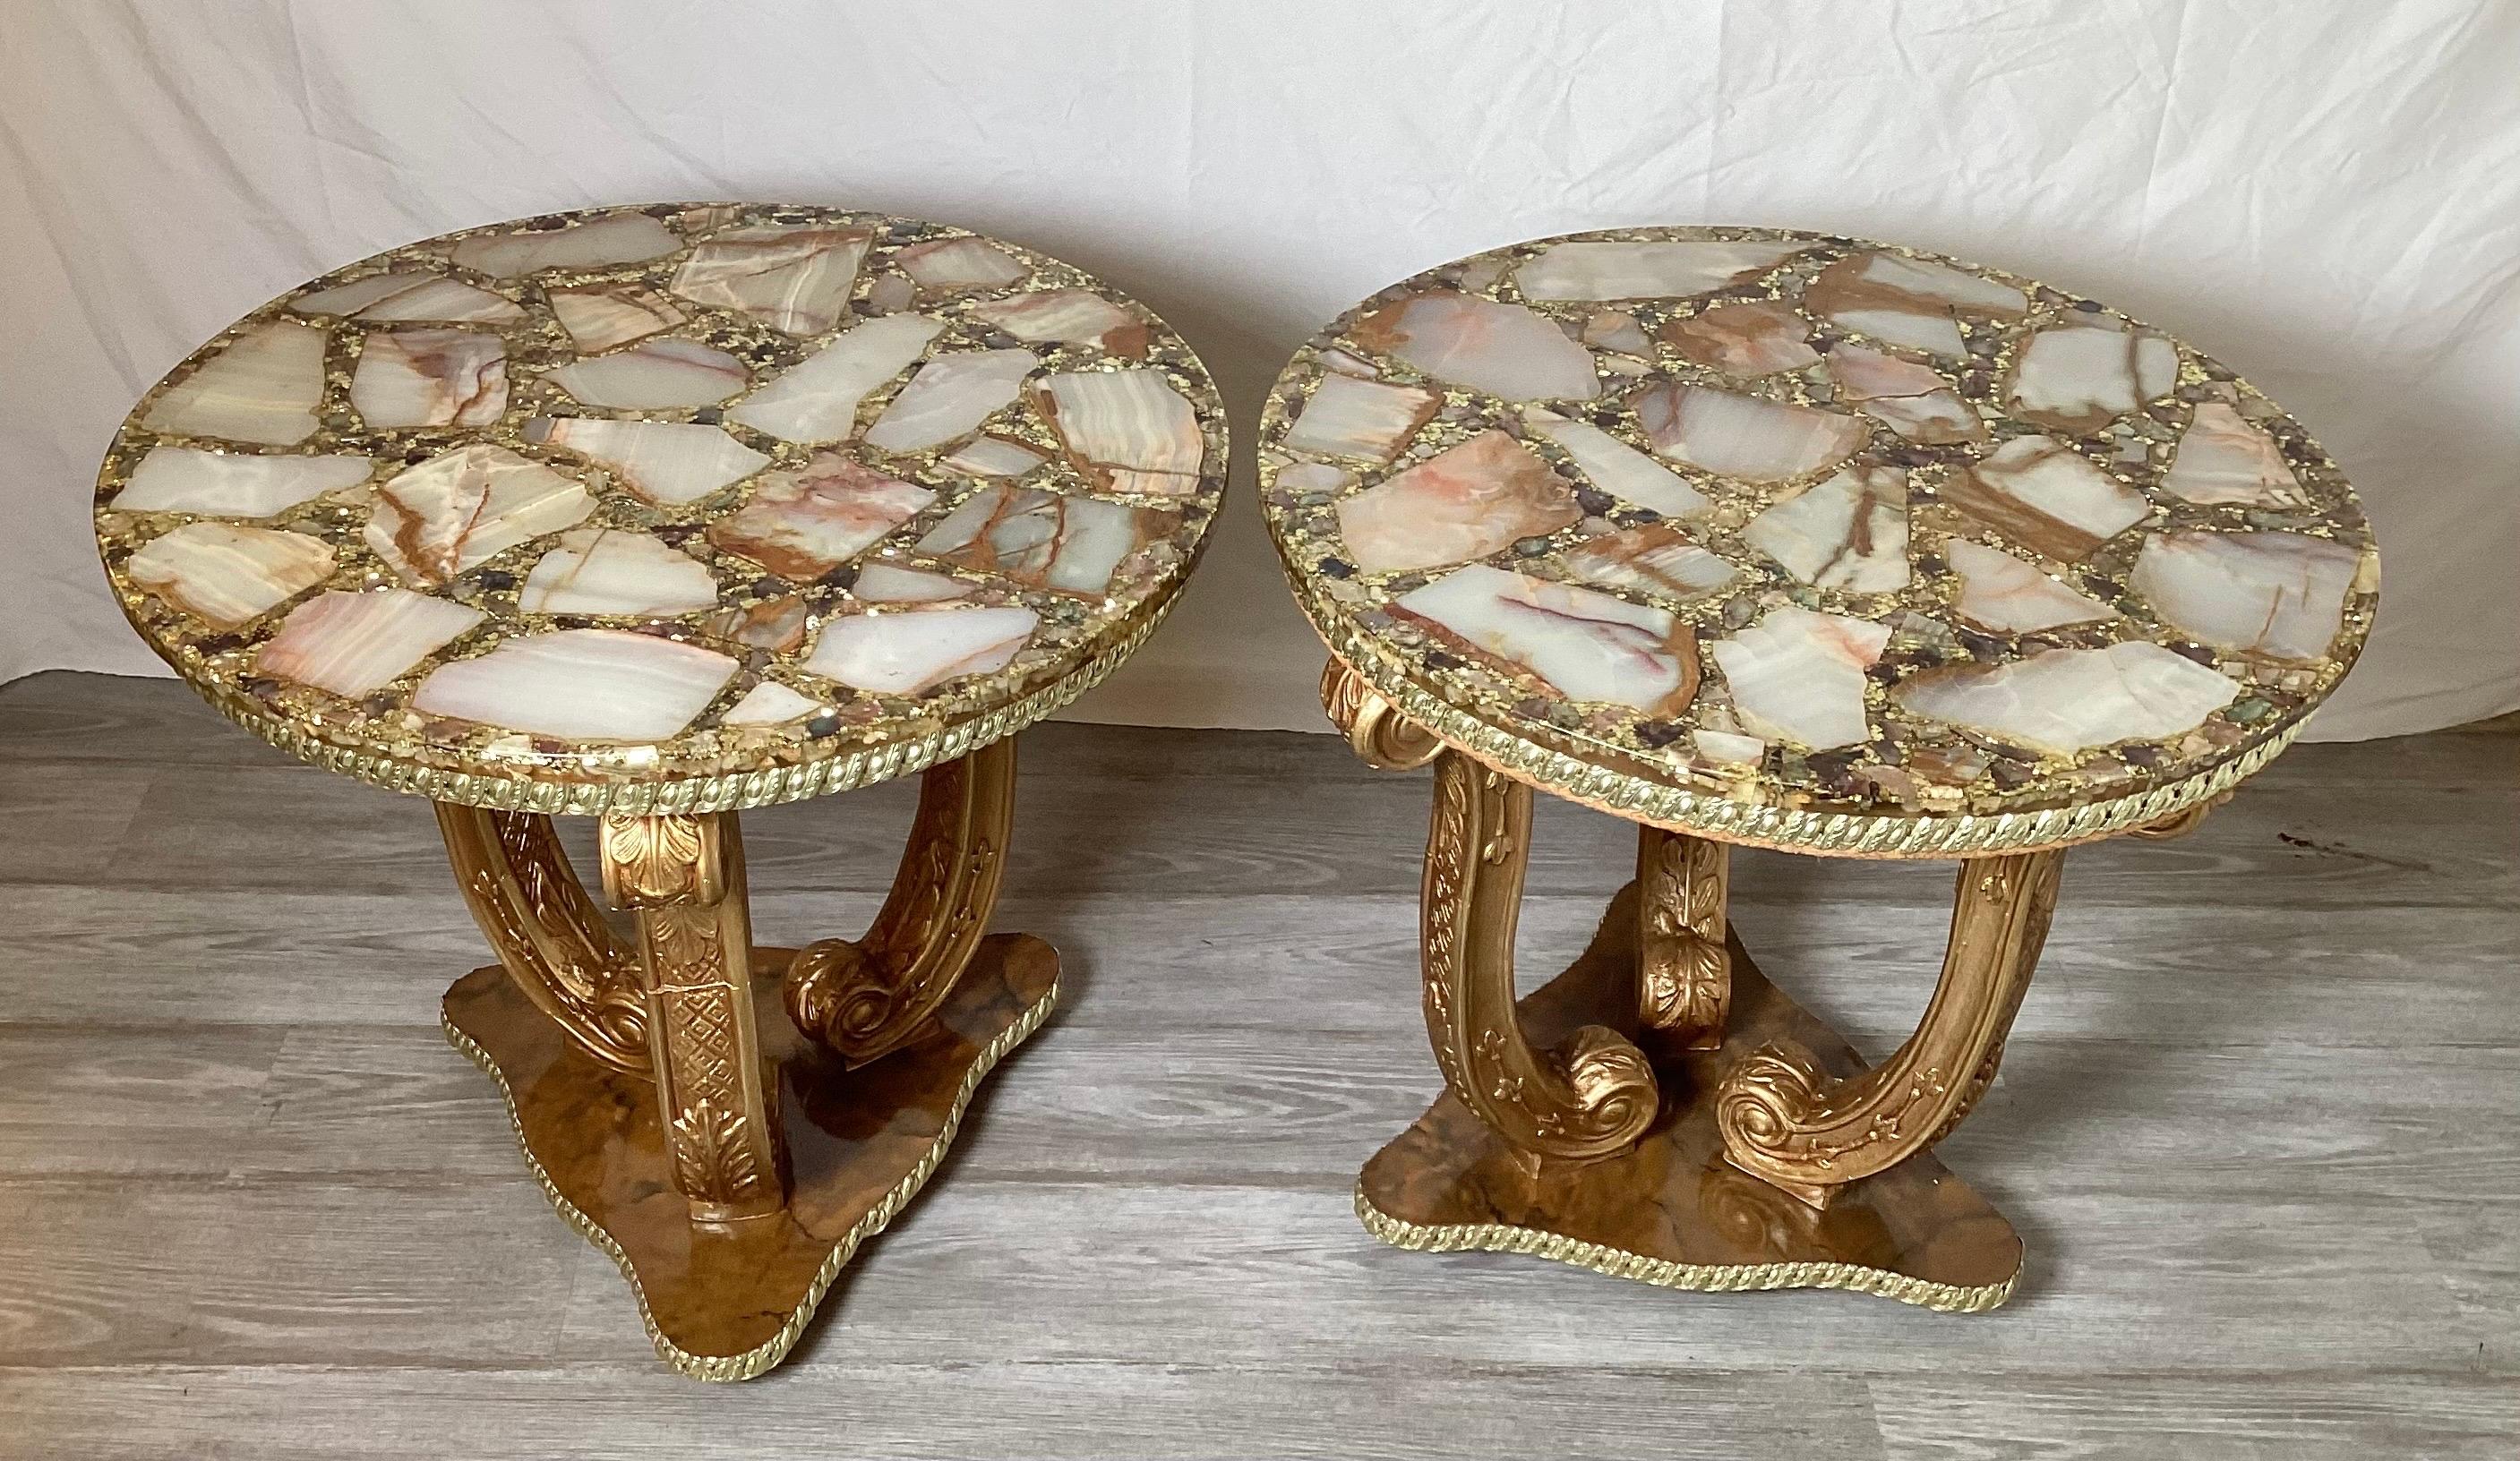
x: 1524, y: 1122
x: 792, y: 1140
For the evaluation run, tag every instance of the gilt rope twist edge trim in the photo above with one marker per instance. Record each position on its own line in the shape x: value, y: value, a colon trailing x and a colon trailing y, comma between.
x: 1838, y: 834
x: 729, y: 791
x: 1714, y: 1278
x: 764, y: 1357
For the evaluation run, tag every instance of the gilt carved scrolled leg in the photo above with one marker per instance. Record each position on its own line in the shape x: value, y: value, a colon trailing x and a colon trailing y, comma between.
x: 1375, y: 730
x: 1592, y: 1096
x: 1779, y: 1117
x: 681, y: 878
x: 1684, y: 975
x: 865, y: 996
x: 546, y: 931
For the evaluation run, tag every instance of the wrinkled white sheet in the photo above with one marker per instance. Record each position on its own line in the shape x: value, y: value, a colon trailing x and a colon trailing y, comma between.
x: 2326, y: 194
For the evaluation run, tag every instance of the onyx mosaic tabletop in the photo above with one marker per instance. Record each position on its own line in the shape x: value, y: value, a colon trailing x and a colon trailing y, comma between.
x: 1800, y: 539
x: 673, y: 507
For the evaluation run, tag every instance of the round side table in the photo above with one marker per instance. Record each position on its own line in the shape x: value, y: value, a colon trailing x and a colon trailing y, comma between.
x: 1797, y: 542
x: 653, y: 514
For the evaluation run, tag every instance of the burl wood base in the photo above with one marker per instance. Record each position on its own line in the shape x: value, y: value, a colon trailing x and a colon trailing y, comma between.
x: 1670, y: 1209
x: 727, y: 1300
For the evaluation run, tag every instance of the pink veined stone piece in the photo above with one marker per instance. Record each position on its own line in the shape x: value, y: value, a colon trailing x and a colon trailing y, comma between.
x: 355, y: 645
x: 912, y: 653
x: 804, y: 523
x: 1913, y: 400
x: 580, y: 684
x: 1503, y: 349
x: 1464, y: 504
x: 1743, y: 436
x: 431, y: 378
x: 1755, y: 338
x: 1587, y: 645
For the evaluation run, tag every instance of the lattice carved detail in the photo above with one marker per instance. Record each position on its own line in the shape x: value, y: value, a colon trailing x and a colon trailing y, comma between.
x: 682, y: 878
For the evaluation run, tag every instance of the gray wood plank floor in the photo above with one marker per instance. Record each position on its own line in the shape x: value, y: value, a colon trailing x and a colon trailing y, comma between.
x: 2256, y: 1123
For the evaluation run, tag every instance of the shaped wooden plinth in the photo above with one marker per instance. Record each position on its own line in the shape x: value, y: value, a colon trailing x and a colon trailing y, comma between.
x: 727, y: 1300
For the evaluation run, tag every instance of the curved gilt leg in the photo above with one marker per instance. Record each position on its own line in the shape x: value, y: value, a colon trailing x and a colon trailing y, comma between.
x: 546, y: 931
x: 1684, y: 973
x: 683, y: 878
x: 865, y: 997
x: 1784, y: 1121
x: 1374, y: 729
x: 1592, y: 1096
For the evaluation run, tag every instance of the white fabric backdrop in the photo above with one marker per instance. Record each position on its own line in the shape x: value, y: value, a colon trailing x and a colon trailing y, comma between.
x: 2325, y: 193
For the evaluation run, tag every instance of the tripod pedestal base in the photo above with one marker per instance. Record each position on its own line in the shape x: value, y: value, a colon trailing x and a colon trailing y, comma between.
x: 727, y: 1300
x: 1671, y: 1211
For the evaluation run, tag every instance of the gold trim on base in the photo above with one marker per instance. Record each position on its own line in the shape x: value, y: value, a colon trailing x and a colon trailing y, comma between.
x: 1713, y: 1278
x: 729, y: 1368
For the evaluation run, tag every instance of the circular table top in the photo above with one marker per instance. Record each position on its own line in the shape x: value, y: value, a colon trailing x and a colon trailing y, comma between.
x: 681, y: 508
x: 1808, y: 542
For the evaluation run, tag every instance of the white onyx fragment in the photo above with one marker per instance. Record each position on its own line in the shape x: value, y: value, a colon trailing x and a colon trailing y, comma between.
x: 2079, y: 377
x: 1755, y: 338
x: 227, y: 573
x: 599, y: 317
x: 459, y: 508
x: 1798, y: 675
x: 1728, y: 749
x: 1044, y: 539
x: 794, y: 280
x: 1849, y: 531
x: 2004, y: 595
x: 431, y: 378
x: 1616, y: 467
x: 1124, y: 430
x: 803, y: 524
x: 913, y: 652
x: 2069, y: 701
x: 1591, y: 646
x: 950, y: 396
x: 231, y: 484
x: 891, y: 583
x: 1502, y: 350
x: 667, y: 463
x: 2222, y: 457
x: 1657, y: 558
x: 1605, y: 270
x: 816, y: 399
x: 1617, y: 329
x: 1911, y: 399
x: 891, y: 293
x: 263, y: 386
x: 994, y: 456
x: 1068, y: 317
x: 1462, y: 504
x: 580, y: 684
x: 597, y: 570
x: 2279, y: 594
x: 355, y: 645
x: 769, y: 703
x: 659, y: 375
x: 1744, y: 437
x: 410, y: 294
x: 2046, y: 497
x: 947, y: 266
x: 1346, y: 417
x: 624, y: 238
x: 1910, y: 302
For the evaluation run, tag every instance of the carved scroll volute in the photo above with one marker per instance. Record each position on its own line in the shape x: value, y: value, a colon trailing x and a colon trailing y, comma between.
x: 682, y: 878
x: 864, y: 997
x: 1374, y: 729
x: 1592, y: 1096
x: 547, y: 932
x: 1784, y: 1121
x: 2180, y: 822
x: 1683, y: 969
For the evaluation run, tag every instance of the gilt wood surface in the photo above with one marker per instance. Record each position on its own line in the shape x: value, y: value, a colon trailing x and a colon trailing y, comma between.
x: 2254, y: 1122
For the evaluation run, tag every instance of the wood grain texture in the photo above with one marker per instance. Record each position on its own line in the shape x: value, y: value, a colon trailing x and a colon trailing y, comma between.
x: 2254, y: 1125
